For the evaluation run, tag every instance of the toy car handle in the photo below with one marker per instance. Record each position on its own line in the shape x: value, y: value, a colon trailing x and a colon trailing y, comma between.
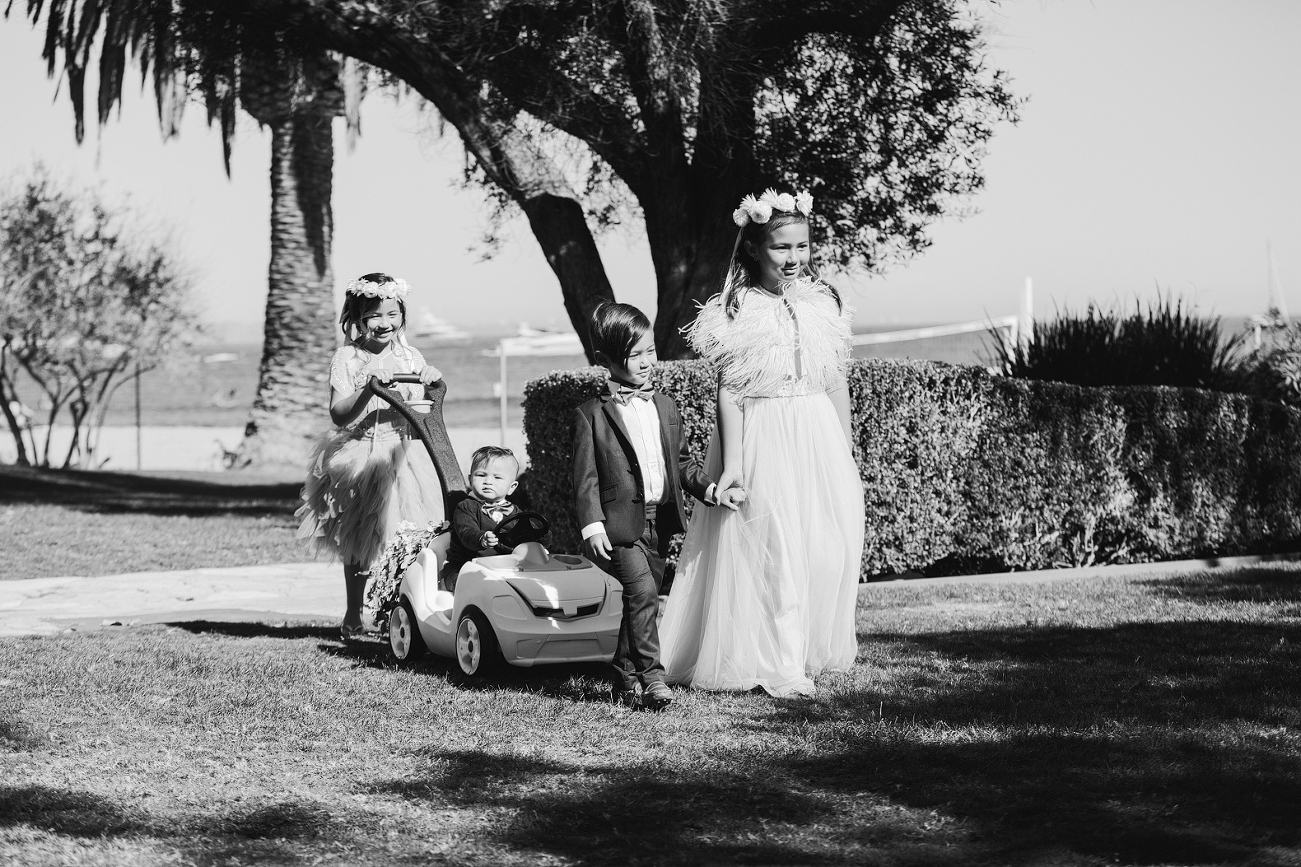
x: 431, y: 429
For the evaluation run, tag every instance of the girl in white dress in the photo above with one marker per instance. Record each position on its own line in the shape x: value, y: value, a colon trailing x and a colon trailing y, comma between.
x: 764, y: 596
x: 368, y: 474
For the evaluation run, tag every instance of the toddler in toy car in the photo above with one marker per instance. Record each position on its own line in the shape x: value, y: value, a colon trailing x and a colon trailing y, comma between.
x: 494, y: 475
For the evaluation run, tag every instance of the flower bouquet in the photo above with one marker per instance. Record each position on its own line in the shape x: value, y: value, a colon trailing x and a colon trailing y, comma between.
x: 397, y: 557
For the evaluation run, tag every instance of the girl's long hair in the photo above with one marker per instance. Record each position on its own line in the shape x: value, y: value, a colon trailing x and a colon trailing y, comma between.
x: 355, y: 308
x: 743, y: 269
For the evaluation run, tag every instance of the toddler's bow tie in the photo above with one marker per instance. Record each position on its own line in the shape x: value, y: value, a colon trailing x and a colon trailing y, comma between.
x: 495, y: 510
x: 625, y: 393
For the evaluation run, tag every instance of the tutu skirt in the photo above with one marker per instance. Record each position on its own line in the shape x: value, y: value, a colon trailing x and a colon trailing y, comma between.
x: 360, y: 486
x: 765, y: 596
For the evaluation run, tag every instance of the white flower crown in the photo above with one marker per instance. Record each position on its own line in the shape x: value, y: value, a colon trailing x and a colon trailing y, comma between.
x: 760, y: 210
x: 395, y: 288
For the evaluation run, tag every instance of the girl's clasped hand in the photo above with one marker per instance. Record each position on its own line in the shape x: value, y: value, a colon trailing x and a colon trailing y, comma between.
x: 428, y: 375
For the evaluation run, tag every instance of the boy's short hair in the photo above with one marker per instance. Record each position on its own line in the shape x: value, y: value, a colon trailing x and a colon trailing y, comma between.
x: 486, y: 454
x: 616, y: 328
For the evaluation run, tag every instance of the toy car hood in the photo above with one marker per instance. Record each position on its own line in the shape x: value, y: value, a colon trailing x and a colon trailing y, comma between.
x: 563, y: 591
x: 562, y: 583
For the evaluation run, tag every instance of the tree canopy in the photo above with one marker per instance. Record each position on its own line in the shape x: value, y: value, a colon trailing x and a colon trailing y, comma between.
x: 880, y: 108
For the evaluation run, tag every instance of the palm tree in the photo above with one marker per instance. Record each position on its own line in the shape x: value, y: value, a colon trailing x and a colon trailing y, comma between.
x: 297, y: 92
x: 298, y: 98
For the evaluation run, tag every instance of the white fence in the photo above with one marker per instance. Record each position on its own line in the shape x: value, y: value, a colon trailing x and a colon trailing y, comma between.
x: 1011, y: 323
x: 1019, y: 328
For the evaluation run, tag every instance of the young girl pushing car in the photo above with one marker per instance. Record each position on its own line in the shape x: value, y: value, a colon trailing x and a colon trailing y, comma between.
x: 368, y: 474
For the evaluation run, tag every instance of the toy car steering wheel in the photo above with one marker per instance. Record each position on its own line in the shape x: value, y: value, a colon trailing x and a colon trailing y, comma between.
x: 522, y: 527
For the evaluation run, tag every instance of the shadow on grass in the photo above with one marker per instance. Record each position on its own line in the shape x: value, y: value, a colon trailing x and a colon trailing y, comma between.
x: 624, y: 813
x: 86, y: 814
x: 1258, y: 584
x: 1147, y: 743
x: 573, y: 682
x: 576, y: 682
x: 256, y: 629
x: 189, y: 494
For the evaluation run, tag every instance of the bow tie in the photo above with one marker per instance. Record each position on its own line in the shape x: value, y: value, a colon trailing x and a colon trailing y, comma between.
x: 624, y: 393
x: 495, y: 510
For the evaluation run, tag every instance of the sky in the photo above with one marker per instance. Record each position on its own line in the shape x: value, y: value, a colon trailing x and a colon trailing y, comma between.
x: 1156, y: 153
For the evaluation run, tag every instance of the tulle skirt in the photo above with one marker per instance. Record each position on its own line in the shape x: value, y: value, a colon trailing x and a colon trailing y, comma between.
x: 360, y: 487
x: 765, y: 596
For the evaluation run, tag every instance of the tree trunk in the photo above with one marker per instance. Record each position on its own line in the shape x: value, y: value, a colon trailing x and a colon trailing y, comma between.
x: 693, y: 271
x: 8, y: 394
x: 562, y: 232
x: 532, y: 179
x: 688, y: 211
x: 299, y: 335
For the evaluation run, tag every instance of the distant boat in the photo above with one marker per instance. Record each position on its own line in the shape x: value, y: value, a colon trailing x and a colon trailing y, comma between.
x: 1275, y: 318
x: 526, y: 330
x: 528, y: 337
x: 430, y: 327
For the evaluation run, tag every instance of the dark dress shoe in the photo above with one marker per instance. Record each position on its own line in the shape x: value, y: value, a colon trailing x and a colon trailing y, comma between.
x: 657, y: 696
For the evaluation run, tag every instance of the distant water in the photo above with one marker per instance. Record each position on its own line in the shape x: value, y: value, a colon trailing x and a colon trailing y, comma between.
x: 213, y: 385
x: 218, y: 392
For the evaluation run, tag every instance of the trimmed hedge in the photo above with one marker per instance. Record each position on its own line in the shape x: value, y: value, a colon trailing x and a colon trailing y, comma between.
x: 967, y: 472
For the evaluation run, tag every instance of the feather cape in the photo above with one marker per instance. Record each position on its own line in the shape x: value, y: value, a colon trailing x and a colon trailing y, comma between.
x: 795, y: 343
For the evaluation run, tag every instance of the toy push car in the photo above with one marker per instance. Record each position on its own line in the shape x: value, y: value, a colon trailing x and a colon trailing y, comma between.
x: 527, y: 608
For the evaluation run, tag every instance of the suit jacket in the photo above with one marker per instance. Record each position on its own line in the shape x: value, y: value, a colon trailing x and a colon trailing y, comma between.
x: 469, y: 523
x: 608, y: 484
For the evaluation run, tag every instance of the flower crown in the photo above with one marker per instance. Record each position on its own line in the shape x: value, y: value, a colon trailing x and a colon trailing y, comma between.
x: 395, y: 288
x: 760, y: 210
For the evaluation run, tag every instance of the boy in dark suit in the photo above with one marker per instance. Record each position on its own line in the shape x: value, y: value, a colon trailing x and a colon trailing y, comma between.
x: 631, y: 465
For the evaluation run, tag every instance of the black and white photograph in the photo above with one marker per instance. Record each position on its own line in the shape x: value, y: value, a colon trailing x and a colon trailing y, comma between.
x: 650, y: 432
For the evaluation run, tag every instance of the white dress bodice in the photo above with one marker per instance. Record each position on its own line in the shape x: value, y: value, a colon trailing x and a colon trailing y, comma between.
x: 353, y: 366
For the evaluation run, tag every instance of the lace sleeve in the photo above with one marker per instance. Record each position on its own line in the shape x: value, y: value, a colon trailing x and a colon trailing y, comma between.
x: 341, y: 373
x: 413, y: 362
x: 417, y: 360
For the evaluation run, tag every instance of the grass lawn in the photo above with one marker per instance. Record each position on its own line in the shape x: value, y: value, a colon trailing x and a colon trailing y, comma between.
x: 1134, y: 721
x: 55, y: 523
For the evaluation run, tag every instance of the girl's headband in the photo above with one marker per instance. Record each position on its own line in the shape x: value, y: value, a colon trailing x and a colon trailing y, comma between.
x: 395, y: 288
x: 760, y: 210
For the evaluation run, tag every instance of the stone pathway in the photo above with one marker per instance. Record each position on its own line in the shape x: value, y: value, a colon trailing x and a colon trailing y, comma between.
x: 288, y: 591
x: 43, y: 606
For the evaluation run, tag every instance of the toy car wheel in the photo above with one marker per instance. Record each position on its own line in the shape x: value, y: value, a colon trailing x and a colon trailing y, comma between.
x: 476, y: 644
x: 403, y: 633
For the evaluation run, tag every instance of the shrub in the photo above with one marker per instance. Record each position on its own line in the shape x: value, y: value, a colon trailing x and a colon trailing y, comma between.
x: 1273, y: 370
x: 1166, y: 345
x: 964, y: 471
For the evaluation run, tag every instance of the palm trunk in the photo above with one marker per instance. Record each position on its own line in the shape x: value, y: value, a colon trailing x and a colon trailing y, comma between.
x: 299, y: 335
